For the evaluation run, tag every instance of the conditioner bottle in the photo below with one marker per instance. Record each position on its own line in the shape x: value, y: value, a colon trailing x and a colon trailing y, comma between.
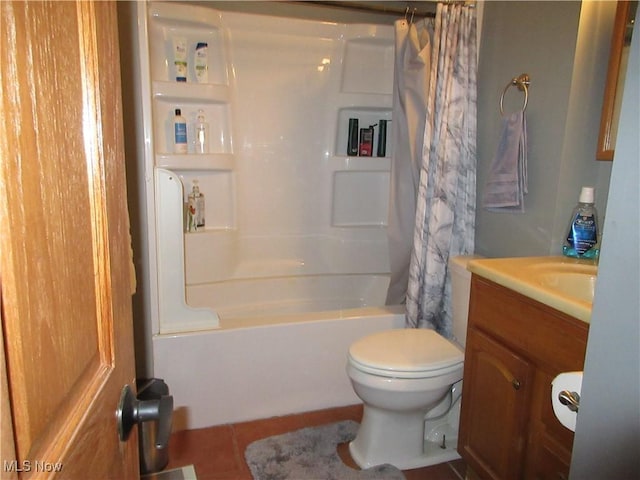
x: 179, y: 132
x: 581, y: 240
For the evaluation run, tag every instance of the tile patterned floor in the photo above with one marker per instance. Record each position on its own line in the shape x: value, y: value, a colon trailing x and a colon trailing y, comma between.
x: 218, y: 452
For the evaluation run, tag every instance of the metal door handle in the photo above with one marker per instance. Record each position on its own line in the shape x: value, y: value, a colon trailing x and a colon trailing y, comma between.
x: 570, y: 399
x: 131, y: 411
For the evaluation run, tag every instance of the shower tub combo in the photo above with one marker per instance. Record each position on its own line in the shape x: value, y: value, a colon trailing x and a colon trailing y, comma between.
x: 253, y: 315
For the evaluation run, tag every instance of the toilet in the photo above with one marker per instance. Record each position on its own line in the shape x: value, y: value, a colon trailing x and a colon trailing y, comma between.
x: 410, y: 382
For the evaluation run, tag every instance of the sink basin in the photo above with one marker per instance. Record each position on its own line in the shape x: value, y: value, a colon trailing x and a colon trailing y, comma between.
x: 565, y: 284
x: 577, y: 281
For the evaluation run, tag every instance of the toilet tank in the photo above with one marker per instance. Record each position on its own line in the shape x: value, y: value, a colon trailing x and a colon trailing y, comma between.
x: 460, y: 291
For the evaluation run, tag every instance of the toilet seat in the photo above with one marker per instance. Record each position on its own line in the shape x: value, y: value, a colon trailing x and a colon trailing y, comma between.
x: 405, y: 353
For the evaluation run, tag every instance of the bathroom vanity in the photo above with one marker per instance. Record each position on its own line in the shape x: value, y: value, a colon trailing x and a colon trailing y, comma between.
x: 516, y: 345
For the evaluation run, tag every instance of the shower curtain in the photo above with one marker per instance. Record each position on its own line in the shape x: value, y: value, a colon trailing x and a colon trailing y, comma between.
x: 445, y: 206
x: 410, y: 88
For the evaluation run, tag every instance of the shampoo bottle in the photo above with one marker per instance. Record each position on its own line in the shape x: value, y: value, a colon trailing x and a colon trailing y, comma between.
x: 366, y: 141
x: 582, y: 235
x: 201, y: 66
x: 352, y: 142
x: 179, y: 133
x: 382, y: 138
x: 180, y: 58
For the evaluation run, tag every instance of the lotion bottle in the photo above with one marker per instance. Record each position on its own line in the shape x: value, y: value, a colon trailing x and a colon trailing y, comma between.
x: 581, y: 240
x: 179, y: 132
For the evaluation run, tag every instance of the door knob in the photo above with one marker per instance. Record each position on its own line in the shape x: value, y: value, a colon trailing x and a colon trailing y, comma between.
x: 131, y: 411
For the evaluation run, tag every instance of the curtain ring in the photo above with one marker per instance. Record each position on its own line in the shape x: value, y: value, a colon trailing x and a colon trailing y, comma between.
x: 522, y: 82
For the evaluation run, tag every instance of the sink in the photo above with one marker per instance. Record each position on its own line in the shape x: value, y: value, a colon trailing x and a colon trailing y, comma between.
x: 577, y: 281
x: 566, y: 284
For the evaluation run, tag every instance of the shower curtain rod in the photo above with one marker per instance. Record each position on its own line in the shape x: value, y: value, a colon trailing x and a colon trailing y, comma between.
x: 370, y: 7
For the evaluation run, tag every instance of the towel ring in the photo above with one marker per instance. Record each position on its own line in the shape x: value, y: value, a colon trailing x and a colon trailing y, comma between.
x: 522, y: 82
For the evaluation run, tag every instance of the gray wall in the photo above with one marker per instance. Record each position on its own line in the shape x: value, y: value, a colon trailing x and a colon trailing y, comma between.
x: 564, y: 46
x: 607, y: 442
x: 564, y: 49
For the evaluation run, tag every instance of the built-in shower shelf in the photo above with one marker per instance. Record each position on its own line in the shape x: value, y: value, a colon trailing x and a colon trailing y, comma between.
x: 366, y: 101
x: 366, y: 116
x: 180, y: 17
x: 211, y: 232
x: 213, y: 161
x: 360, y: 164
x: 187, y: 92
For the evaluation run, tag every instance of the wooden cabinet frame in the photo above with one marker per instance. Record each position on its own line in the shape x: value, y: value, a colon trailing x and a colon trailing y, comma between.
x: 515, y: 347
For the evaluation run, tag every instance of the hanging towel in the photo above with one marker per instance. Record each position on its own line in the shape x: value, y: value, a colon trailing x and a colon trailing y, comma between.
x: 507, y: 182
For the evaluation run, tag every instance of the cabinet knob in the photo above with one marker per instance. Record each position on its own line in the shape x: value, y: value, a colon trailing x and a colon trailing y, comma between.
x: 516, y: 384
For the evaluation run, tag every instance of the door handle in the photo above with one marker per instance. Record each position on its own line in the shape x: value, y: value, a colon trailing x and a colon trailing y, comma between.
x: 131, y: 411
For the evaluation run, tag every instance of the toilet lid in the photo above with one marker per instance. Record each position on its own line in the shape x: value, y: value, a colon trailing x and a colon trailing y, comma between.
x: 404, y: 351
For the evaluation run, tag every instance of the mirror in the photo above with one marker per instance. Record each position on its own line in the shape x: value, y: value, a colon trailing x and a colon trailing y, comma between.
x: 620, y: 42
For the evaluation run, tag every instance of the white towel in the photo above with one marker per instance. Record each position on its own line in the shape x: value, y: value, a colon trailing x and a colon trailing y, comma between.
x: 507, y: 182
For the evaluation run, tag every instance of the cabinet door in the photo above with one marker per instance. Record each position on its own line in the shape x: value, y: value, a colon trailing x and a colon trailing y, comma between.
x: 495, y: 408
x: 549, y: 450
x: 550, y: 463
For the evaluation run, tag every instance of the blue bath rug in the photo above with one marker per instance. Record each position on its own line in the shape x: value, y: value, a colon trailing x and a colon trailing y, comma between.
x: 311, y: 454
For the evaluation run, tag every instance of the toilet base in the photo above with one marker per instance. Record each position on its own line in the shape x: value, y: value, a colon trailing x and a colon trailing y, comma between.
x: 433, y: 455
x: 401, y: 439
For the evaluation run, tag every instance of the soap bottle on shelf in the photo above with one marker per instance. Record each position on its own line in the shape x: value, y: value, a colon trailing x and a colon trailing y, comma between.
x: 581, y: 240
x: 352, y: 140
x: 382, y: 138
x: 366, y: 141
x: 179, y: 132
x: 202, y: 134
x: 195, y: 209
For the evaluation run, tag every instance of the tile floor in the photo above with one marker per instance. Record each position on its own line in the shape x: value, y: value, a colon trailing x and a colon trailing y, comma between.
x: 218, y: 452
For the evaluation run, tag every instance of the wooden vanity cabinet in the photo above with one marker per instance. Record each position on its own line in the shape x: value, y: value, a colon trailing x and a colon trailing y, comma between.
x: 515, y: 348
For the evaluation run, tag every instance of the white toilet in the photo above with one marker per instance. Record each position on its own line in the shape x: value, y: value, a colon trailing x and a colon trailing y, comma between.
x: 410, y: 381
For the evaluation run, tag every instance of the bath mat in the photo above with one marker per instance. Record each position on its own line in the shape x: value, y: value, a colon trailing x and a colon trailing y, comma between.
x: 310, y: 454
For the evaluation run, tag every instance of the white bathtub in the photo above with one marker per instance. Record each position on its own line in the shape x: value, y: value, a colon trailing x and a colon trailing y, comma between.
x: 267, y: 359
x: 239, y: 300
x: 290, y: 268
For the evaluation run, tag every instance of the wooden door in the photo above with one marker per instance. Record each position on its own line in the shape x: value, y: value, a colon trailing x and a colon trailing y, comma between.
x: 497, y: 389
x: 64, y: 242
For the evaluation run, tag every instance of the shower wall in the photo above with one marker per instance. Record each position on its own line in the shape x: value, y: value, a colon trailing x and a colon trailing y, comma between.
x: 299, y: 202
x: 282, y: 196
